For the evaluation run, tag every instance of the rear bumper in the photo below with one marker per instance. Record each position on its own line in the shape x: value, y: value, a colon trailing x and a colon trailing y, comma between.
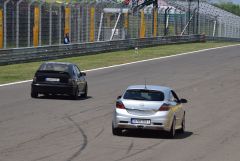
x: 54, y: 89
x: 139, y: 126
x: 122, y: 119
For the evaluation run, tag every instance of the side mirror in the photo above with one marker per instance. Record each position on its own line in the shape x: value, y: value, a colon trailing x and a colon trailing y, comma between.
x: 83, y: 74
x: 183, y: 100
x: 119, y: 97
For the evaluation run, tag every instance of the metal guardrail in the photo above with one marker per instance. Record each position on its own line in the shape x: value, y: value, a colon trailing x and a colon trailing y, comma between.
x: 10, y: 56
x: 210, y: 38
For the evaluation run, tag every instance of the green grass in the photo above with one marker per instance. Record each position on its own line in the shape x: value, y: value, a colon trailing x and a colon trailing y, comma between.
x: 25, y: 71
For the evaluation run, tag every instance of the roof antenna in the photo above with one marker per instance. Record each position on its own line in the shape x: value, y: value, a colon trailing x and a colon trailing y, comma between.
x: 145, y: 83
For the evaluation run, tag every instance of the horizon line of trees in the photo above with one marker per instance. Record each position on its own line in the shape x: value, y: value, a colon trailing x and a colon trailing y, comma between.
x: 229, y: 6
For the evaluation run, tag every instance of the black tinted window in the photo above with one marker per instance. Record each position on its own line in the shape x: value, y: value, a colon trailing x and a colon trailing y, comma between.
x: 77, y: 71
x: 54, y: 67
x: 147, y: 95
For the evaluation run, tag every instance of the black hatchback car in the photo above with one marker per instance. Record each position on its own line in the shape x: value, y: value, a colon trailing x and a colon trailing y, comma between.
x: 59, y: 78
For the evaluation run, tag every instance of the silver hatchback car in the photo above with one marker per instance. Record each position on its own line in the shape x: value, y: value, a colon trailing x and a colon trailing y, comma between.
x: 149, y: 107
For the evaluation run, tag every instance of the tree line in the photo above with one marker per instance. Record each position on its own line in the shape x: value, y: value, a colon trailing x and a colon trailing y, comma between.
x: 229, y: 6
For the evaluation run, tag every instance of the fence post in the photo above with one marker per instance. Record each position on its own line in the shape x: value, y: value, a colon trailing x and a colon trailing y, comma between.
x: 220, y: 29
x: 100, y: 26
x: 83, y: 27
x: 219, y: 25
x: 126, y: 24
x: 214, y: 27
x: 166, y: 18
x: 181, y: 21
x: 199, y: 24
x: 40, y: 23
x: 142, y: 25
x: 155, y: 21
x: 204, y: 25
x: 60, y: 24
x: 92, y: 24
x: 238, y: 29
x: 67, y: 21
x: 70, y: 19
x: 225, y: 29
x: 162, y: 22
x: 36, y: 27
x: 50, y: 23
x: 29, y: 21
x: 189, y: 15
x: 1, y: 28
x: 5, y: 22
x: 198, y: 6
x: 78, y: 23
x: 17, y: 24
x: 175, y: 21
x: 138, y: 27
x: 87, y: 23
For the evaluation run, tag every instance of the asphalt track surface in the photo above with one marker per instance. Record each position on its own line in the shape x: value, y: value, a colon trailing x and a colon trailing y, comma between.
x: 61, y: 129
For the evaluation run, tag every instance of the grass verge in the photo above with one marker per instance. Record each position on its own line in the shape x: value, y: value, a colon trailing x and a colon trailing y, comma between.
x: 25, y: 71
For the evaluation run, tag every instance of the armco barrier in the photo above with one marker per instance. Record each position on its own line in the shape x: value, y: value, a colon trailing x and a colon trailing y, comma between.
x: 10, y: 56
x: 210, y: 38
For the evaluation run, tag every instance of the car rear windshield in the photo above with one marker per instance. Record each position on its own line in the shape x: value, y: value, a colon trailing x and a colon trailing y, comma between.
x: 147, y: 95
x: 54, y: 67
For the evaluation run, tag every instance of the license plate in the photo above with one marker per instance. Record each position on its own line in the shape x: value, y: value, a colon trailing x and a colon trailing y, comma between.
x: 141, y: 121
x: 52, y: 79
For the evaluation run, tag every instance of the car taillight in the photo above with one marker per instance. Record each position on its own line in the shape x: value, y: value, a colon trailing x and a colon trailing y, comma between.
x: 120, y: 105
x: 164, y: 107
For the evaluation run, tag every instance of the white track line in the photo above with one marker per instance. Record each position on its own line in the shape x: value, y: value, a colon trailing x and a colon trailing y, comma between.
x: 119, y: 65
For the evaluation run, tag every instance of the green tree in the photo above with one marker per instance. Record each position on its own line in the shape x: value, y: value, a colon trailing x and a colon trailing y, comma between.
x: 230, y: 7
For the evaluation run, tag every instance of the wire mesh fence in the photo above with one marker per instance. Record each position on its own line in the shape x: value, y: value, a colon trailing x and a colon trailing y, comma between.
x: 28, y: 23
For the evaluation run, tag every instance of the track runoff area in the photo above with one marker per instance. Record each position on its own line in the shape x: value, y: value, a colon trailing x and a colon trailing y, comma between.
x: 61, y: 129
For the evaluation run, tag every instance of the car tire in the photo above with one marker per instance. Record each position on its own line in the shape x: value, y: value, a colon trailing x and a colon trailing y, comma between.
x: 34, y: 94
x: 172, y: 132
x: 76, y: 95
x: 116, y: 131
x: 182, y: 130
x: 85, y: 92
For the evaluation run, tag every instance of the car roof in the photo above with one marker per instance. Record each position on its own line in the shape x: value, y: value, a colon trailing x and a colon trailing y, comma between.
x: 65, y: 63
x: 150, y: 87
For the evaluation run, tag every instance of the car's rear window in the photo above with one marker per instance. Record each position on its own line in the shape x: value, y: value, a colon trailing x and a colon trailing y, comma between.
x: 147, y: 95
x: 54, y: 67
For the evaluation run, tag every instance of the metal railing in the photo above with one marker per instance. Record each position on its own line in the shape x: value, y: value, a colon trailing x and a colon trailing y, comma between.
x: 10, y: 56
x: 226, y: 39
